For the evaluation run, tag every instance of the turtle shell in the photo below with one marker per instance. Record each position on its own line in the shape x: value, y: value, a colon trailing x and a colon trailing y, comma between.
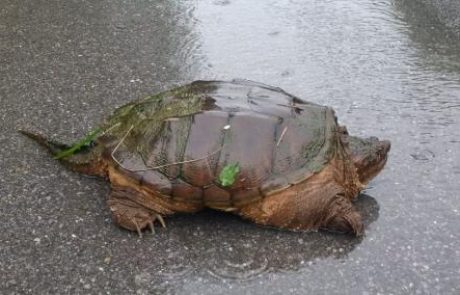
x: 178, y: 142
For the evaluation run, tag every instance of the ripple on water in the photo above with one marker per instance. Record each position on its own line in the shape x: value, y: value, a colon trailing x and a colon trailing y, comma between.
x: 188, y: 48
x: 237, y: 261
x: 423, y: 155
x: 175, y: 265
x: 239, y: 270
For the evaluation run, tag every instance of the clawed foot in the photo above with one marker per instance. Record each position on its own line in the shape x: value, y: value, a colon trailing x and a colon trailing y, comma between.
x: 343, y: 218
x: 349, y: 223
x: 150, y: 223
x: 129, y: 215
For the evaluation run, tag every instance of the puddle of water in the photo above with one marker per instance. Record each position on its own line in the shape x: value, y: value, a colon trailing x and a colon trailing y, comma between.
x: 386, y: 67
x: 390, y: 71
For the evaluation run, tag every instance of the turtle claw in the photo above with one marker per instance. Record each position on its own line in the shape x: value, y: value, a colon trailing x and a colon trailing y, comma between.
x: 139, y: 232
x: 149, y: 224
x: 162, y: 221
x: 152, y: 229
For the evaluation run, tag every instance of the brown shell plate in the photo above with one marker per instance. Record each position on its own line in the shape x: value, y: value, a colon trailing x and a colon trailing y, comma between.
x: 177, y: 142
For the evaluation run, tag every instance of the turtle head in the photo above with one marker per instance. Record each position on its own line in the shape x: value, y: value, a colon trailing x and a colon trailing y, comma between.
x: 369, y: 156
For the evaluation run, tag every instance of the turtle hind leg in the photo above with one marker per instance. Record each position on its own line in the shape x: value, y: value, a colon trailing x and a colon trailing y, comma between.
x: 131, y: 215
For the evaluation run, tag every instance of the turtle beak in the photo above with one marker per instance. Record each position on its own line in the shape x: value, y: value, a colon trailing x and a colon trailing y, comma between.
x: 384, y: 147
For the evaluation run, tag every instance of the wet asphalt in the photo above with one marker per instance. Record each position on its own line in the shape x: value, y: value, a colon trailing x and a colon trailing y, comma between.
x: 389, y: 68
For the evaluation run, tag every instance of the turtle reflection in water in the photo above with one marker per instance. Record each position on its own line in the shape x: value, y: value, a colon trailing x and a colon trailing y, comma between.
x: 240, y: 146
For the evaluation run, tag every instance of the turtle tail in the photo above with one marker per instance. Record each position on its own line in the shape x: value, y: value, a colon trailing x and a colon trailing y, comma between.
x: 53, y: 147
x: 85, y: 159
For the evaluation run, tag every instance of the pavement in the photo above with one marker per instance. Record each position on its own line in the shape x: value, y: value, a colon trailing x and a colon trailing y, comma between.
x: 446, y: 11
x: 387, y: 68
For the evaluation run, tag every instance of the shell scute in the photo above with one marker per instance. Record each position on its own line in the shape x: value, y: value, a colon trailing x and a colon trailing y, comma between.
x: 184, y: 137
x: 216, y: 197
x: 183, y: 191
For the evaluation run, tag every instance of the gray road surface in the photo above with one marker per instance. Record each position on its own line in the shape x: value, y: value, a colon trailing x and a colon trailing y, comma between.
x: 387, y: 67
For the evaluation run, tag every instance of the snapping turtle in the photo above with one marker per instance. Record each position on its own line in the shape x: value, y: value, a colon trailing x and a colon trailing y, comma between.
x: 239, y: 146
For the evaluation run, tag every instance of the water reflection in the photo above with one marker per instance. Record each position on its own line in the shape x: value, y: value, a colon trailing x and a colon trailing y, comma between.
x: 439, y: 47
x: 241, y: 257
x: 227, y: 248
x: 431, y: 84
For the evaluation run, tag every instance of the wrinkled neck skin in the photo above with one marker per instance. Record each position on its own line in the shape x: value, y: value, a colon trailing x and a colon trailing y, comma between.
x: 369, y: 155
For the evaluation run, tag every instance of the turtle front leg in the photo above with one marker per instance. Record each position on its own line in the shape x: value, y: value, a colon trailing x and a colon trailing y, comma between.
x: 309, y: 207
x: 342, y: 217
x: 128, y: 213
